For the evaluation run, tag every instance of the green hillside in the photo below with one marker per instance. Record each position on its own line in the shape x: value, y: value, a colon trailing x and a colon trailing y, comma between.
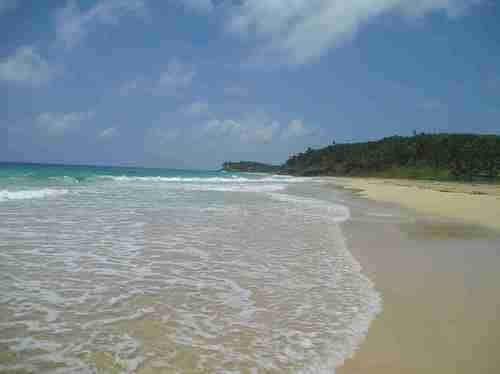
x: 423, y: 156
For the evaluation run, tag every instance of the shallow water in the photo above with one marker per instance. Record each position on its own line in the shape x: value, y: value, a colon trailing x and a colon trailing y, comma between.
x: 151, y: 271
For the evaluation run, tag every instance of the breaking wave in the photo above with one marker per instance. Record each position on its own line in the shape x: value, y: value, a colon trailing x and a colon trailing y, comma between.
x: 30, y: 194
x: 138, y: 274
x: 229, y: 179
x: 232, y: 183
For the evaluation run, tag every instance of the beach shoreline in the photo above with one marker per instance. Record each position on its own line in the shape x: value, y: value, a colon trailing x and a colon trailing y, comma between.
x: 436, y: 272
x: 467, y: 203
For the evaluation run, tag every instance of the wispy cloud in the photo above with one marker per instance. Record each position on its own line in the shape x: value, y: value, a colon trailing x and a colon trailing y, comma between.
x: 262, y: 133
x: 59, y: 123
x: 137, y: 84
x: 255, y: 128
x: 196, y: 109
x: 26, y: 67
x: 224, y: 127
x: 108, y: 133
x: 177, y: 75
x: 301, y: 31
x: 452, y: 8
x: 73, y: 24
x: 163, y: 135
x: 296, y: 129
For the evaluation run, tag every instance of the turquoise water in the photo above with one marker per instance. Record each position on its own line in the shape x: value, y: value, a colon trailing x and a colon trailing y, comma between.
x: 82, y: 172
x: 133, y: 270
x: 22, y: 174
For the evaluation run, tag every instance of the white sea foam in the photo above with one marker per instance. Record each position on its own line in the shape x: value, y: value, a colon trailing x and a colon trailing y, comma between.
x: 215, y: 184
x: 328, y: 210
x: 232, y: 179
x: 381, y: 215
x: 30, y: 194
x: 359, y: 325
x: 251, y: 187
x: 152, y: 273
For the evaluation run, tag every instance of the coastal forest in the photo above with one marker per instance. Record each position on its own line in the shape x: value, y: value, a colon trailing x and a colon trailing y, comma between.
x: 421, y: 156
x: 250, y: 167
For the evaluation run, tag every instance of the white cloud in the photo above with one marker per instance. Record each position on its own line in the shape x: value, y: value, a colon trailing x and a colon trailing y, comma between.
x: 26, y: 66
x: 240, y: 135
x: 196, y: 109
x: 72, y: 23
x: 108, y: 133
x: 259, y: 127
x: 264, y: 133
x: 223, y: 127
x: 8, y: 5
x: 164, y: 135
x: 296, y: 129
x: 177, y: 75
x: 300, y: 31
x: 58, y: 123
x: 255, y: 128
x: 138, y: 84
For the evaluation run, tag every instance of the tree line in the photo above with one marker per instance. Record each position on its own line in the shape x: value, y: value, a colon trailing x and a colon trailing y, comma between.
x: 250, y: 166
x: 434, y: 156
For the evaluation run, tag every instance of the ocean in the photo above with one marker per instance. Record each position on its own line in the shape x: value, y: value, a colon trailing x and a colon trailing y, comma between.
x: 135, y: 270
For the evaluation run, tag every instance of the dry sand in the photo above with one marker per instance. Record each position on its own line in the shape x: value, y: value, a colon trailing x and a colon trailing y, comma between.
x: 470, y: 203
x: 439, y: 277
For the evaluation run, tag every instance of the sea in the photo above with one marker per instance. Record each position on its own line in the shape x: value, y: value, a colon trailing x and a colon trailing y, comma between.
x: 137, y: 270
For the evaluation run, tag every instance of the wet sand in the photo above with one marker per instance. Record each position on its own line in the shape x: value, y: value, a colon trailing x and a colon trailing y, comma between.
x: 439, y: 280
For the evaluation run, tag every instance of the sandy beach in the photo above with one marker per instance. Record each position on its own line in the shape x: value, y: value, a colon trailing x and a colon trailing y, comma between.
x: 463, y: 202
x: 433, y: 252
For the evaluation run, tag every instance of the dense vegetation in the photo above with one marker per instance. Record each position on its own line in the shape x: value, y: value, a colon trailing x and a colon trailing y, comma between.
x: 435, y: 156
x: 250, y: 166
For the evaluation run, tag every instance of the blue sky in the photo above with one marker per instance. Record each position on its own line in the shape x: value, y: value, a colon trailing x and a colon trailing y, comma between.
x: 192, y: 83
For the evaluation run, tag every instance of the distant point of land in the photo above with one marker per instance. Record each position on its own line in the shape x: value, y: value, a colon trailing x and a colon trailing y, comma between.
x: 250, y: 167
